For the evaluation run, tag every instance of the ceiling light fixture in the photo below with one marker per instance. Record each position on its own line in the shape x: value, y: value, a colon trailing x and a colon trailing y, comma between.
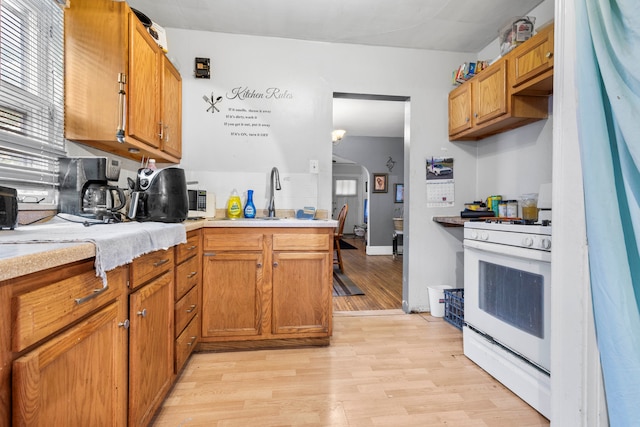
x: 337, y: 135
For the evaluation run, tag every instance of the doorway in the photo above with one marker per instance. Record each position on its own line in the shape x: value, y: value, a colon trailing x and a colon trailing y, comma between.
x: 374, y: 142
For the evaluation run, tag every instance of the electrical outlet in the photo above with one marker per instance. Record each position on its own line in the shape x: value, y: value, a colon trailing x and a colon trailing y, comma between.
x: 313, y: 166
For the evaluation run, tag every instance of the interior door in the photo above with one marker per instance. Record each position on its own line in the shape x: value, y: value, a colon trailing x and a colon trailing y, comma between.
x: 342, y: 184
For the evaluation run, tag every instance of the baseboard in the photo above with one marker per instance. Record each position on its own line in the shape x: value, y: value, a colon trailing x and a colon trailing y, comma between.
x: 379, y: 250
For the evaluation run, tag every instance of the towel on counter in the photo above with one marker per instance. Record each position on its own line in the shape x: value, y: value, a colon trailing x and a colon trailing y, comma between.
x: 116, y: 244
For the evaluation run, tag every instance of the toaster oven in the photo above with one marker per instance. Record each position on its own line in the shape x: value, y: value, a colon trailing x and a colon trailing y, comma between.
x: 8, y: 208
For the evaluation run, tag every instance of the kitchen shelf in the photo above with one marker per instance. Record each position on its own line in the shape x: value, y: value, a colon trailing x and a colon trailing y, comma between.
x: 450, y: 221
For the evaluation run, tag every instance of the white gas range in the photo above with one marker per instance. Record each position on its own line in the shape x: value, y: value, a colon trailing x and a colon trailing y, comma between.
x: 507, y: 282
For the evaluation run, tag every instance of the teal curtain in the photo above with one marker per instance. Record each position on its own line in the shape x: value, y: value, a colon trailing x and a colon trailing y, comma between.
x: 608, y: 82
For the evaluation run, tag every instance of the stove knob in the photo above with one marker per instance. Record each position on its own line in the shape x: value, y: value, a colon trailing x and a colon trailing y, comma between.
x: 484, y: 236
x: 527, y: 242
x: 144, y: 182
x: 545, y: 243
x: 474, y: 235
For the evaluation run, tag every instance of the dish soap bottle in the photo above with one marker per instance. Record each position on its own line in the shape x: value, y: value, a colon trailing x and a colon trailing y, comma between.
x: 234, y: 207
x: 249, y: 207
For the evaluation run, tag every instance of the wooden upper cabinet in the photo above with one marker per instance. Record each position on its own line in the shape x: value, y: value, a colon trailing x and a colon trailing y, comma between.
x: 490, y: 93
x: 510, y: 93
x: 171, y: 111
x: 531, y: 70
x: 144, y: 81
x: 118, y: 95
x: 460, y: 109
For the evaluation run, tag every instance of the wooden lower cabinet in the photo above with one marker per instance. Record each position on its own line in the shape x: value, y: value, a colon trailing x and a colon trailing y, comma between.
x: 151, y: 347
x: 301, y: 297
x: 266, y: 287
x: 232, y: 294
x: 187, y: 297
x: 76, y: 373
x: 72, y: 380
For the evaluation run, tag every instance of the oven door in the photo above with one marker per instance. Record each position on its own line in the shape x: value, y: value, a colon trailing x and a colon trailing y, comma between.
x: 507, y: 297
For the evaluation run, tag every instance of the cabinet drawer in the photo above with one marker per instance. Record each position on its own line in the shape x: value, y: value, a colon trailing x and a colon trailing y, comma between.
x: 185, y: 309
x: 232, y: 240
x: 46, y: 310
x: 150, y: 265
x: 302, y: 242
x: 186, y: 250
x: 185, y: 343
x: 187, y: 276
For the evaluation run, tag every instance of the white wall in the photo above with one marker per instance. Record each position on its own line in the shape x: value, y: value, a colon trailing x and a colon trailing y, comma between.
x: 301, y: 132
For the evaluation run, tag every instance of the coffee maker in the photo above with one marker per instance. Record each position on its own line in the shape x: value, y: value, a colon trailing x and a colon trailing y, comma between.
x: 85, y: 190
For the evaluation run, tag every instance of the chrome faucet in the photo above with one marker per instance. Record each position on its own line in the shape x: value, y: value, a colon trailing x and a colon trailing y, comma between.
x: 272, y: 205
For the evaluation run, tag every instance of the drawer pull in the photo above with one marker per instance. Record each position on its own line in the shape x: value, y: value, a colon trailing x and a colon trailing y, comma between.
x: 549, y: 55
x: 190, y: 275
x: 143, y: 313
x: 192, y: 341
x: 275, y: 264
x: 124, y: 324
x: 210, y: 254
x: 190, y: 248
x: 161, y: 262
x: 95, y: 293
x: 259, y: 265
x: 190, y: 309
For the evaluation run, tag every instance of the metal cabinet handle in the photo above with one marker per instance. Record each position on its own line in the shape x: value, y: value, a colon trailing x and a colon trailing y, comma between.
x: 191, y: 308
x: 275, y: 264
x: 161, y: 262
x: 143, y: 313
x: 210, y: 254
x: 259, y: 265
x: 190, y: 248
x: 190, y: 275
x: 192, y: 341
x: 161, y: 134
x: 124, y: 324
x: 549, y: 55
x: 122, y: 108
x: 91, y: 296
x: 166, y: 134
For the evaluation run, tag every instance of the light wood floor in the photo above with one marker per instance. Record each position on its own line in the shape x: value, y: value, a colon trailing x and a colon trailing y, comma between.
x: 383, y: 368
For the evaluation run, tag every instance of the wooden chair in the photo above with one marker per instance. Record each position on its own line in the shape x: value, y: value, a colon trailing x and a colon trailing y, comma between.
x: 337, y: 235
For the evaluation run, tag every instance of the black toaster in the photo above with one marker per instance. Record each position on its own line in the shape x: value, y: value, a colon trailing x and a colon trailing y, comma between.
x: 8, y: 208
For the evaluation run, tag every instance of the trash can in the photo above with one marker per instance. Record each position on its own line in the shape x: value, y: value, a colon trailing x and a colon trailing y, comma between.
x: 436, y: 299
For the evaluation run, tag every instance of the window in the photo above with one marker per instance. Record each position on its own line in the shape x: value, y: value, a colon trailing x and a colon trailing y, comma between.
x: 31, y: 96
x: 346, y: 187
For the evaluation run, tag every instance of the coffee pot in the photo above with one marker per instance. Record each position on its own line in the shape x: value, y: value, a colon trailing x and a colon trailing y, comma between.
x: 85, y: 189
x: 102, y: 201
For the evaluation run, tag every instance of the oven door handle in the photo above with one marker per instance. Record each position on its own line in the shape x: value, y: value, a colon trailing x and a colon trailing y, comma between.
x: 506, y: 250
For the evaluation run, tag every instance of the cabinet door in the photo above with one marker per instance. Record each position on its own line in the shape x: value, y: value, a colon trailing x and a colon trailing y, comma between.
x: 171, y: 109
x: 232, y: 294
x: 151, y: 347
x: 76, y: 379
x: 301, y: 292
x: 460, y: 109
x: 490, y: 93
x: 534, y: 58
x: 144, y: 108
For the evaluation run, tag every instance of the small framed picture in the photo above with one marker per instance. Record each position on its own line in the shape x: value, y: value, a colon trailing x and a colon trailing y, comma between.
x: 380, y: 182
x: 398, y: 190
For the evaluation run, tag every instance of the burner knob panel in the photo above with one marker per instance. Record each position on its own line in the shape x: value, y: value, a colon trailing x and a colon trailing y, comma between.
x: 527, y: 242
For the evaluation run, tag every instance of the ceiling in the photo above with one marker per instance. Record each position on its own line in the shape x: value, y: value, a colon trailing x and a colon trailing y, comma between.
x: 445, y: 25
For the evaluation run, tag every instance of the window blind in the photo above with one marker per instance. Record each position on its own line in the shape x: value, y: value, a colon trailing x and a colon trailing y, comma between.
x: 31, y: 96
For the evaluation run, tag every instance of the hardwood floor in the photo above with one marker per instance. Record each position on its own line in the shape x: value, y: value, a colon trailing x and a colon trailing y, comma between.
x: 380, y: 277
x: 383, y: 368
